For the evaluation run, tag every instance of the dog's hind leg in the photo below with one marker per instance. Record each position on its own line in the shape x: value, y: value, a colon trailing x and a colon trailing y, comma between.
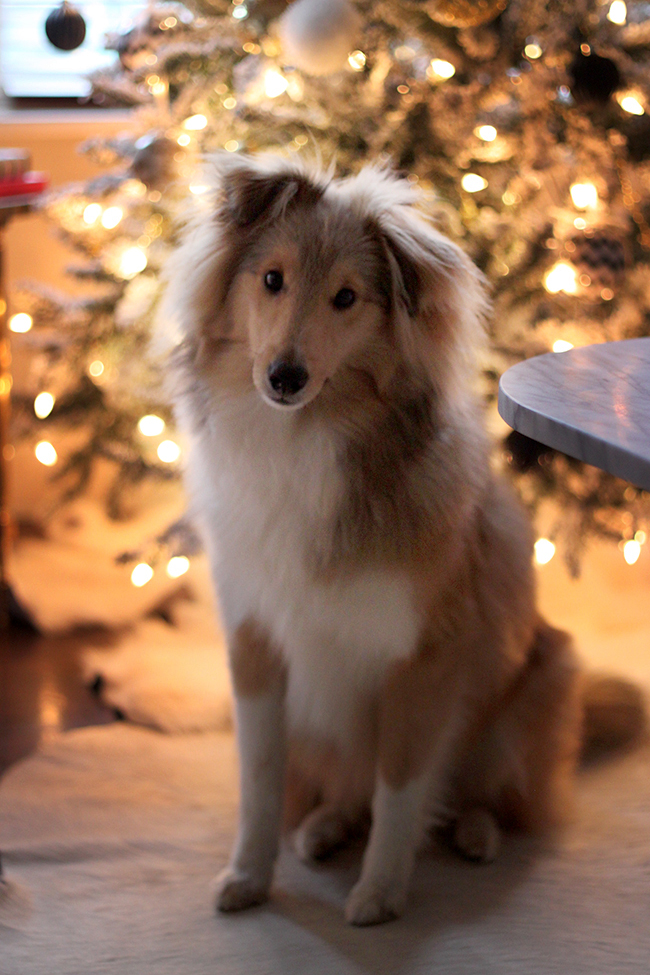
x: 521, y: 765
x: 324, y: 830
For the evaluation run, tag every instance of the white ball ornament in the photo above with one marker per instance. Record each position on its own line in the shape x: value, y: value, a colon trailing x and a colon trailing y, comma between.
x: 318, y: 35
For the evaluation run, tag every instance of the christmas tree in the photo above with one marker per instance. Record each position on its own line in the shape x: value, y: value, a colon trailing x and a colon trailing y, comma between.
x: 526, y: 120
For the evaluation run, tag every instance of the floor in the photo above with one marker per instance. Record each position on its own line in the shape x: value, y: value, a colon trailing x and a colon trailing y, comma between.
x: 42, y: 689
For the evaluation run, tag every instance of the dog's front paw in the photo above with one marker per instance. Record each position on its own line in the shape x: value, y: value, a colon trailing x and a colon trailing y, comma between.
x: 235, y: 890
x: 373, y: 903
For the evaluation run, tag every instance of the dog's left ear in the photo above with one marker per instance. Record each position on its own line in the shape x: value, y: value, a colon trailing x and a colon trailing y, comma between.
x: 254, y: 189
x: 439, y: 296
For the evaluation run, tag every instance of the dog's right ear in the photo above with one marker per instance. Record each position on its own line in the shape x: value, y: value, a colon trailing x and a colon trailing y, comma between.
x: 252, y: 189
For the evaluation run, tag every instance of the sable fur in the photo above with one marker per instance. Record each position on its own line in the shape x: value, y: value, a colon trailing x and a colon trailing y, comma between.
x: 374, y: 578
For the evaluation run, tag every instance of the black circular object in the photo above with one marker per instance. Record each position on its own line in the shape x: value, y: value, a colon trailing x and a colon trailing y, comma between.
x: 593, y: 78
x: 65, y: 27
x: 522, y: 452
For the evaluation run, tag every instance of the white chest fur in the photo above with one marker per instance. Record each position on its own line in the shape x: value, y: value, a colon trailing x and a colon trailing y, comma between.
x: 263, y: 492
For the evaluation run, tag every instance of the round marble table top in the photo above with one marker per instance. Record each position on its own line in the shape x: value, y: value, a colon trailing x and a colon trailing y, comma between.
x: 592, y: 403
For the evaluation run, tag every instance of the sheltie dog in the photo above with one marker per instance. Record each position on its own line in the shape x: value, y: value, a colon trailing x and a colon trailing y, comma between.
x: 374, y: 576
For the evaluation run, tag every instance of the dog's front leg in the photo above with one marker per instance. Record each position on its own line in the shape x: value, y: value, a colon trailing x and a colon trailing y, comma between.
x: 416, y: 732
x: 259, y: 686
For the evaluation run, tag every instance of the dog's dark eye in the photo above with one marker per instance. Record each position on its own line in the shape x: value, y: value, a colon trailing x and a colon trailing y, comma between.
x: 344, y: 298
x: 273, y: 281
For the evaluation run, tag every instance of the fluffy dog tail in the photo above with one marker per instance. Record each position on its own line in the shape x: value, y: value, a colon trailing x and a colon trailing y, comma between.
x: 614, y: 716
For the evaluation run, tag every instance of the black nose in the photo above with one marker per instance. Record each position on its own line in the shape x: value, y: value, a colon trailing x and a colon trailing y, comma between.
x: 286, y: 377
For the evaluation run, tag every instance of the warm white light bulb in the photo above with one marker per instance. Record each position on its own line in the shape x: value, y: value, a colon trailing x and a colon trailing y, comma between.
x: 357, y: 60
x: 43, y: 405
x: 561, y: 345
x: 561, y: 277
x: 142, y: 574
x: 544, y: 551
x: 584, y: 195
x: 177, y: 566
x: 151, y: 425
x: 440, y: 70
x: 631, y: 551
x: 632, y: 105
x: 533, y: 51
x: 132, y: 261
x: 21, y: 322
x: 617, y: 12
x: 195, y: 122
x: 473, y: 183
x: 45, y: 453
x: 92, y: 213
x: 96, y: 368
x: 168, y: 451
x: 111, y: 217
x: 275, y: 84
x: 487, y: 133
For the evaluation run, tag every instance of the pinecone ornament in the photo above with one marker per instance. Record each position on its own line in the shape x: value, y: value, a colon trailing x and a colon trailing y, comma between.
x: 600, y: 258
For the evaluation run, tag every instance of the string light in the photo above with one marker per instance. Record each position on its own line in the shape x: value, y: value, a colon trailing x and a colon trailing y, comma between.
x: 275, y: 84
x: 561, y: 345
x: 240, y: 13
x: 486, y: 132
x: 168, y: 451
x: 45, y: 453
x: 473, y: 183
x: 584, y: 195
x: 177, y: 566
x: 184, y: 140
x: 111, y: 217
x: 96, y: 368
x: 229, y: 102
x: 92, y: 213
x: 195, y: 123
x: 141, y: 575
x: 544, y: 550
x: 231, y: 145
x: 43, y: 405
x: 357, y: 60
x: 21, y: 322
x: 631, y: 105
x: 132, y: 261
x: 631, y: 551
x: 561, y: 277
x: 440, y: 70
x: 533, y: 51
x: 617, y: 12
x: 151, y: 425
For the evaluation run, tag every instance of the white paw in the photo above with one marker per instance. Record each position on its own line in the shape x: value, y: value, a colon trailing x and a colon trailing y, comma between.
x: 373, y: 903
x: 235, y: 890
x: 319, y: 834
x: 477, y: 835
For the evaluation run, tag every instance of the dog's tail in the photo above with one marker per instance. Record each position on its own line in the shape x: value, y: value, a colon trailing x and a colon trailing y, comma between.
x: 614, y: 717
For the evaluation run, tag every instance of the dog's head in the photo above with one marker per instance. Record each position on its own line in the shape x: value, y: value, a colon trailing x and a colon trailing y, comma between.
x: 305, y: 280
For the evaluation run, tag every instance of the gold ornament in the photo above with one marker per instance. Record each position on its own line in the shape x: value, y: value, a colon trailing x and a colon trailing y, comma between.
x: 464, y: 13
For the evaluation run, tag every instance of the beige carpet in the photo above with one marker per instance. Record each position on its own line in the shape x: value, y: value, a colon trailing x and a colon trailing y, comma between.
x: 114, y: 833
x: 117, y: 831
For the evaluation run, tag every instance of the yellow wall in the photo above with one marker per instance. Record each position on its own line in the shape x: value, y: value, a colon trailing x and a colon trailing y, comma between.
x: 30, y: 248
x: 32, y: 252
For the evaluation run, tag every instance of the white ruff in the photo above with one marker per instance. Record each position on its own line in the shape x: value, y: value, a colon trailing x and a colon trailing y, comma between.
x: 264, y: 492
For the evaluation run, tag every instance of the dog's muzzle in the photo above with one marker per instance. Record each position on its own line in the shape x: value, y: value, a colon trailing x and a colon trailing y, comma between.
x: 286, y: 378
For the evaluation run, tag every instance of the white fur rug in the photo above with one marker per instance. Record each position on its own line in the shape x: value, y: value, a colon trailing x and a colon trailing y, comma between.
x: 113, y: 834
x: 116, y: 832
